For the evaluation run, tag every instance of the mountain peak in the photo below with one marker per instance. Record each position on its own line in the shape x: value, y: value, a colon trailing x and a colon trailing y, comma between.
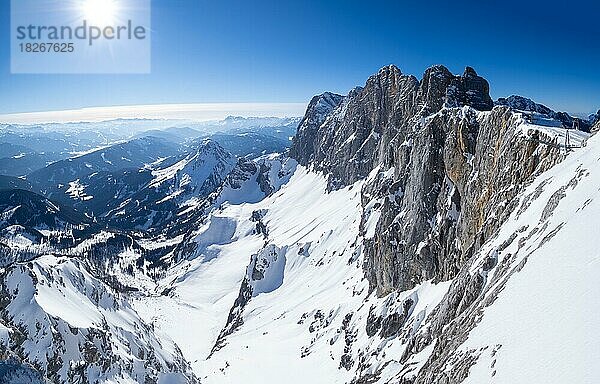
x: 470, y: 72
x: 521, y: 103
x: 470, y: 89
x: 438, y: 70
x: 524, y: 104
x: 385, y: 77
x: 318, y: 109
x: 390, y: 68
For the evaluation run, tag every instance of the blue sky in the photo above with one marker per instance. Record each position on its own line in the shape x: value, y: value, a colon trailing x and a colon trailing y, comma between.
x: 276, y: 51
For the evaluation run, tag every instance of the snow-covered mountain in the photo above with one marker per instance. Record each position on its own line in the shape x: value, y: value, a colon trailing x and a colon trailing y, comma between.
x: 276, y: 126
x: 63, y: 175
x: 138, y: 183
x: 179, y: 186
x: 25, y: 149
x: 59, y: 319
x: 30, y: 224
x: 416, y: 232
x: 250, y: 144
x: 26, y: 208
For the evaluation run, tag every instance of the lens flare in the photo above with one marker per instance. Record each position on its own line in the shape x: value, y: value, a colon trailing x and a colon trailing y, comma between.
x: 99, y: 12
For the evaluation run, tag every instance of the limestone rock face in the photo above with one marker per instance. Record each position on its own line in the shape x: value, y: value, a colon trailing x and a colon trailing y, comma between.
x: 470, y: 89
x: 448, y: 192
x: 596, y: 126
x: 372, y: 120
x: 441, y: 167
x: 318, y: 109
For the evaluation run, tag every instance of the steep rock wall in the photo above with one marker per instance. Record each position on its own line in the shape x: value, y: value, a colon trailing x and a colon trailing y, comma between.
x: 442, y: 167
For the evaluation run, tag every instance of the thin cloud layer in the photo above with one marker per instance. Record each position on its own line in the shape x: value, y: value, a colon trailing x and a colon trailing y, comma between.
x: 200, y: 112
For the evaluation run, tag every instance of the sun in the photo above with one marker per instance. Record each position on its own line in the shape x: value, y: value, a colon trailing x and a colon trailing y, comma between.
x: 99, y: 12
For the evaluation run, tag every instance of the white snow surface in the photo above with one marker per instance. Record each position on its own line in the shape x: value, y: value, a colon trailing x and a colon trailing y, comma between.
x: 77, y: 191
x: 61, y: 311
x: 279, y: 171
x: 313, y: 279
x: 543, y: 326
x: 556, y: 134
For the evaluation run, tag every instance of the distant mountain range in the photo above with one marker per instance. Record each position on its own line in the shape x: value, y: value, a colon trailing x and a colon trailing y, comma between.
x: 25, y: 149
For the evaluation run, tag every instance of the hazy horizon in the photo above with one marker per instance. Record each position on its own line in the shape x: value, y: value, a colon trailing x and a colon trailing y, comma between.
x: 178, y: 111
x: 187, y: 111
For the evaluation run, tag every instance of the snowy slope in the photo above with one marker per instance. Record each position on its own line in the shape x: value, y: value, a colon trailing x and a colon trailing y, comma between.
x: 554, y: 132
x: 187, y: 182
x: 72, y: 326
x: 544, y: 321
x: 199, y: 173
x: 309, y: 300
x: 252, y: 181
x: 190, y: 231
x: 286, y: 300
x: 210, y: 297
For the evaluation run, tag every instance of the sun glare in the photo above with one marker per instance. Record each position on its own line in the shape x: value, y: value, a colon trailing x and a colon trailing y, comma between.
x: 99, y: 12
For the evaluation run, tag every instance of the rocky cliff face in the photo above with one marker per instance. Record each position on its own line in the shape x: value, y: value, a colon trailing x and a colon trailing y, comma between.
x: 442, y: 168
x: 360, y: 133
x: 596, y: 126
x: 318, y: 109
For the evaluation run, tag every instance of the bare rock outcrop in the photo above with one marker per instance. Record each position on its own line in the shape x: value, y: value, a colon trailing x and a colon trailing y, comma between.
x: 441, y: 162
